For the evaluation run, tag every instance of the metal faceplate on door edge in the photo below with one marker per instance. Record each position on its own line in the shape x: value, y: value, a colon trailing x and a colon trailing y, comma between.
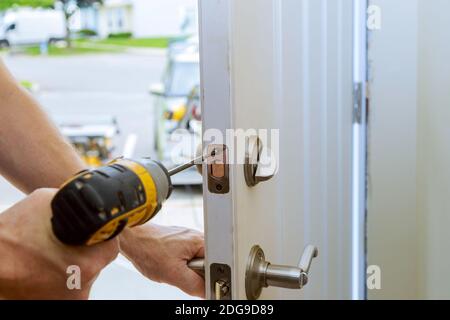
x: 220, y: 275
x: 218, y: 169
x: 220, y: 283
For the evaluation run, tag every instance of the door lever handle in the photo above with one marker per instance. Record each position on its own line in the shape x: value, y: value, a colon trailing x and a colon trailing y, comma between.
x: 308, y: 255
x: 262, y: 274
x: 254, y: 171
x: 197, y: 265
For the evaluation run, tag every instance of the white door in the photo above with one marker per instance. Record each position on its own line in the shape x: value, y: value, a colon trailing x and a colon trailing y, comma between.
x: 283, y: 65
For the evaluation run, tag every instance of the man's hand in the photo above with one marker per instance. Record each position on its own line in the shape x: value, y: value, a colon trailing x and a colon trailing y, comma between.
x: 34, y: 263
x: 162, y: 253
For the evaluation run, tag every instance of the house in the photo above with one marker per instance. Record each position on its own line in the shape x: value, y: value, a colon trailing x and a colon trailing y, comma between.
x: 141, y: 18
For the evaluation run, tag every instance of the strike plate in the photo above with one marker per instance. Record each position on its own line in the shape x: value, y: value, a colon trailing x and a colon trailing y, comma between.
x: 218, y: 169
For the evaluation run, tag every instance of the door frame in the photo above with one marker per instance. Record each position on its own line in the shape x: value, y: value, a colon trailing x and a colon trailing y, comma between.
x: 360, y: 140
x: 214, y: 19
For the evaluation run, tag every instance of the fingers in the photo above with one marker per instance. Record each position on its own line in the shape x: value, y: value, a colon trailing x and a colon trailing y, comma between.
x: 201, y: 252
x: 194, y: 284
x: 197, y: 243
x: 190, y: 282
x: 188, y: 245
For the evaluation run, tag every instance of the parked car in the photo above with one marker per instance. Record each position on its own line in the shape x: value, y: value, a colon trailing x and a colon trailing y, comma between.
x: 26, y: 26
x: 184, y: 46
x: 177, y: 106
x: 93, y: 138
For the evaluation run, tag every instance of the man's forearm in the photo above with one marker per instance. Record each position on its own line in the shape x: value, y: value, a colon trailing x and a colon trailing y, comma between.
x: 33, y: 154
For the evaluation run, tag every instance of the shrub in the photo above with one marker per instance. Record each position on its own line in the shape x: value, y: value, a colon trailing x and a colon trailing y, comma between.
x: 87, y: 33
x: 122, y: 35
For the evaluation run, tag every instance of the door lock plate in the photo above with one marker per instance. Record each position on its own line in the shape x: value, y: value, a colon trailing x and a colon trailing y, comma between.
x: 220, y: 275
x: 218, y: 169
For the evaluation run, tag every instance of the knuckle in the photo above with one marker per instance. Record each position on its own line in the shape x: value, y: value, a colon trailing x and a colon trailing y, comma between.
x: 195, y: 234
x: 199, y: 239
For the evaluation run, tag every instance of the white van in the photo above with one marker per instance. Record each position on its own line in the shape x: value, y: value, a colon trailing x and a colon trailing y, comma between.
x: 26, y: 26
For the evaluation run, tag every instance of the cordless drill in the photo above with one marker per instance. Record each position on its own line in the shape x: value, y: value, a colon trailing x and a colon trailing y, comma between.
x: 96, y: 205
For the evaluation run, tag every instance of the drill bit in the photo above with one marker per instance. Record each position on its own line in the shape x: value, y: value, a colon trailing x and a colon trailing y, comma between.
x: 186, y: 166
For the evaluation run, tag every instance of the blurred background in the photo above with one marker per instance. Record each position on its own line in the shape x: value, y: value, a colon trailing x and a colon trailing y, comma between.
x: 119, y: 77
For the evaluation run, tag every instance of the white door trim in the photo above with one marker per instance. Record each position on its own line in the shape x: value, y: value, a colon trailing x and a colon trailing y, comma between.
x: 215, y: 43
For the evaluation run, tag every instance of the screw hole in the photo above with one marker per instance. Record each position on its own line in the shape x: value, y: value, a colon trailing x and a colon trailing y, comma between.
x: 219, y: 187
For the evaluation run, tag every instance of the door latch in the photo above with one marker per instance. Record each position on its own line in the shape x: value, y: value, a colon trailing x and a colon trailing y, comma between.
x: 262, y: 274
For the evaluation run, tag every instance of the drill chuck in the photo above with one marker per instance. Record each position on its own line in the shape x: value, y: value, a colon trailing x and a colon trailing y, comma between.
x: 96, y: 205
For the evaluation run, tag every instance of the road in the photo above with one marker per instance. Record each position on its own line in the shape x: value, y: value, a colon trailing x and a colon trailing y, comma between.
x: 109, y: 85
x: 115, y: 84
x: 106, y: 85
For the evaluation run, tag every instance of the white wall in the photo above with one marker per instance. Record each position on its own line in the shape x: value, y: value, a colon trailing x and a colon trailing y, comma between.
x: 144, y: 18
x: 113, y: 19
x: 153, y: 18
x: 434, y: 147
x: 409, y: 154
x: 392, y: 214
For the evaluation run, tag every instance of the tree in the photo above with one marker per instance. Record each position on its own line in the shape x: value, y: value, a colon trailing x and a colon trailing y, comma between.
x: 70, y: 7
x: 6, y: 4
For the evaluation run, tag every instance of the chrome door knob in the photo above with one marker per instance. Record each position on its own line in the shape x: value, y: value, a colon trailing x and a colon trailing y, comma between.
x: 262, y: 274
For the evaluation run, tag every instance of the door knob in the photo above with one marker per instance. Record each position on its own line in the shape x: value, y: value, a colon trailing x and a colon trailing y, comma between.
x: 262, y: 274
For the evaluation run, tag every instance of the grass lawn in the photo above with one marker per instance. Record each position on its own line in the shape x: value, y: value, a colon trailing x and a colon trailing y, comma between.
x: 58, y: 51
x: 162, y: 42
x: 110, y: 45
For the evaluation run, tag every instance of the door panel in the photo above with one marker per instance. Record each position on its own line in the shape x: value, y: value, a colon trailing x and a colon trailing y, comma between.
x: 286, y: 65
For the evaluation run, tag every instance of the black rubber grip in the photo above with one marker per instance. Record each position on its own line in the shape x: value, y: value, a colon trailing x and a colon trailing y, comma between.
x: 92, y: 200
